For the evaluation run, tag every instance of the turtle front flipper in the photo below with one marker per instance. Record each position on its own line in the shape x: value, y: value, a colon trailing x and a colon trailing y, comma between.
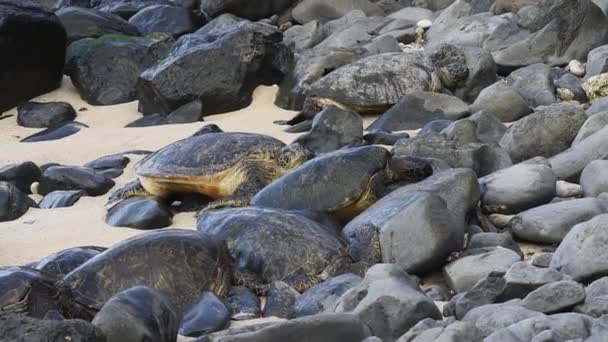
x: 131, y: 189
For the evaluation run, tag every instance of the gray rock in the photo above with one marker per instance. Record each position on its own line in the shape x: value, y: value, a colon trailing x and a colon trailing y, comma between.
x: 413, y: 14
x: 417, y: 109
x: 561, y: 327
x: 461, y: 132
x: 280, y: 301
x: 456, y: 331
x: 74, y: 178
x: 484, y: 239
x: 487, y: 291
x: 209, y: 314
x: 415, y: 231
x: 244, y: 303
x: 245, y: 9
x: 388, y: 301
x: 517, y: 188
x: 594, y: 179
x: 302, y: 37
x: 82, y: 23
x: 324, y: 296
x: 549, y: 223
x: 598, y: 106
x: 113, y: 161
x: 332, y: 129
x: 482, y: 158
x: 463, y: 273
x: 139, y: 213
x: 555, y: 297
x: 438, y: 293
x: 593, y: 124
x: 542, y: 260
x: 309, y: 10
x: 523, y: 278
x: 21, y: 175
x: 127, y: 8
x: 502, y: 101
x: 574, y: 84
x: 43, y: 115
x: 597, y: 61
x: 435, y: 126
x: 20, y: 328
x: 599, y: 329
x: 596, y: 299
x: 492, y: 317
x: 570, y: 163
x: 489, y: 128
x: 546, y: 132
x: 55, y: 133
x: 130, y: 56
x: 60, y: 199
x: 13, y: 202
x: 580, y: 255
x: 171, y: 20
x: 327, y: 327
x: 384, y: 138
x: 535, y: 84
x: 138, y: 314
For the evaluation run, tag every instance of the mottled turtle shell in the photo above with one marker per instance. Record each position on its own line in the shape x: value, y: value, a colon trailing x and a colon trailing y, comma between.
x: 273, y: 243
x: 205, y: 154
x: 59, y: 264
x: 327, y: 183
x: 26, y: 290
x: 180, y: 263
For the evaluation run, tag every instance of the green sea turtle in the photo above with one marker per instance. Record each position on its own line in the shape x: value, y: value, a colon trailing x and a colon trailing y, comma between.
x: 26, y: 290
x: 269, y: 245
x: 343, y: 183
x: 228, y: 167
x: 59, y: 264
x: 179, y: 263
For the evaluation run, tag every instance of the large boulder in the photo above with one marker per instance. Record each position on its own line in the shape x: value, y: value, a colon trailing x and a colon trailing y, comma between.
x: 323, y: 10
x: 21, y: 175
x: 559, y: 327
x: 42, y: 115
x: 88, y: 61
x: 571, y: 162
x: 324, y: 296
x: 225, y: 61
x: 594, y: 178
x: 389, y: 301
x: 82, y: 23
x: 171, y: 20
x: 13, y: 202
x: 501, y: 100
x: 33, y: 42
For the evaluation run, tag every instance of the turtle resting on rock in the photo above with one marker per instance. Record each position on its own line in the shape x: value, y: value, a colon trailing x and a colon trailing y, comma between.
x: 343, y: 183
x: 228, y: 167
x: 269, y: 245
x: 179, y: 263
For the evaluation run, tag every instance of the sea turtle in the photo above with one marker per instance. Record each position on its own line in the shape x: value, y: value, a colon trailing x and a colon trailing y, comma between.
x: 59, y: 264
x: 228, y: 167
x: 26, y: 290
x: 344, y: 182
x: 270, y: 244
x: 180, y: 263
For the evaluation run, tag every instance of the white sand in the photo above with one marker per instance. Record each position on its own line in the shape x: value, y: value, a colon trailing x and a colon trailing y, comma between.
x: 41, y: 232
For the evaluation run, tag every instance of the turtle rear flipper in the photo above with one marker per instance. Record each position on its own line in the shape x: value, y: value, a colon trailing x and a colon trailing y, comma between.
x: 131, y: 189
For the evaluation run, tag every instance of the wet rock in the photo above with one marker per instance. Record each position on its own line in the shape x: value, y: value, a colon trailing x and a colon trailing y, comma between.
x: 42, y: 115
x: 462, y: 274
x: 387, y: 289
x: 243, y: 303
x: 82, y: 23
x: 417, y: 109
x: 139, y: 213
x: 114, y: 161
x: 74, y: 178
x: 171, y: 20
x: 130, y: 56
x: 36, y: 41
x: 555, y: 297
x: 208, y: 315
x: 332, y: 129
x: 280, y: 301
x: 517, y: 188
x: 546, y: 132
x: 324, y: 296
x: 60, y: 199
x: 138, y: 314
x: 13, y: 202
x: 55, y: 133
x: 21, y: 175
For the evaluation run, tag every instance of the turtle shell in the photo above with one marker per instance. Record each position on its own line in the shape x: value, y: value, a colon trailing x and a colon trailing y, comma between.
x: 26, y: 290
x: 59, y: 264
x: 180, y: 263
x: 273, y: 243
x: 205, y: 154
x: 327, y: 183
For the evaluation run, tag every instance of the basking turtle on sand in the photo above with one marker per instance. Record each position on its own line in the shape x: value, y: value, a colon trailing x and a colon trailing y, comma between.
x: 228, y: 167
x: 269, y: 245
x: 180, y: 263
x: 26, y: 290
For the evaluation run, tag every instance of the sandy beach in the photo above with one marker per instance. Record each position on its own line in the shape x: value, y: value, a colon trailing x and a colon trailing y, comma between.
x: 41, y: 232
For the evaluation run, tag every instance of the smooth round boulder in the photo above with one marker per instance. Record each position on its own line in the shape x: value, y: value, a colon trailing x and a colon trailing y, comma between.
x: 208, y: 315
x: 324, y: 296
x: 280, y: 301
x: 332, y: 129
x: 55, y: 133
x: 22, y: 175
x: 44, y: 115
x: 243, y: 303
x: 594, y: 178
x: 74, y: 178
x: 60, y: 199
x: 13, y: 202
x: 138, y: 314
x: 139, y: 213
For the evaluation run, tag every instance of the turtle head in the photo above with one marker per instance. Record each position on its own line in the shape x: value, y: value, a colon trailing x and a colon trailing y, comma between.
x: 292, y: 156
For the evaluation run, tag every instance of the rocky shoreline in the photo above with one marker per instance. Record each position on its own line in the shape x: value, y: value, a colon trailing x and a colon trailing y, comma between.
x: 434, y: 171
